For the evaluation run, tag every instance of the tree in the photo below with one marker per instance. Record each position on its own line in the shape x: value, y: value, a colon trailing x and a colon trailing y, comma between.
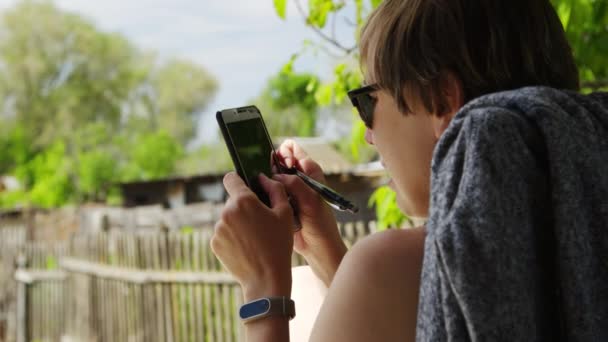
x: 180, y: 92
x: 57, y: 68
x: 288, y: 103
x: 47, y: 176
x: 585, y: 23
x: 153, y: 155
x: 586, y: 26
x: 91, y: 104
x: 207, y: 159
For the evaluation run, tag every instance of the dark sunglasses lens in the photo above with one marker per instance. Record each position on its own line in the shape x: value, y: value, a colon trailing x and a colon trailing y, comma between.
x: 366, y: 105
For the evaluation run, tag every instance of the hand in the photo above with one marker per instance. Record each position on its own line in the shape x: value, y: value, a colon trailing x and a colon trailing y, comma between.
x: 319, y: 240
x: 255, y: 242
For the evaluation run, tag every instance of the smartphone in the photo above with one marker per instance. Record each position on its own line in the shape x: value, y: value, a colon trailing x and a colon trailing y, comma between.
x: 249, y: 145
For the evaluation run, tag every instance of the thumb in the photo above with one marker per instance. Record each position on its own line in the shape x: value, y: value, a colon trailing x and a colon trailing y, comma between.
x: 275, y: 190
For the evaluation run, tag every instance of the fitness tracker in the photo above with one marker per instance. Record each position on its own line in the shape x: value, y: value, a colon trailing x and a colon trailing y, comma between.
x: 269, y: 306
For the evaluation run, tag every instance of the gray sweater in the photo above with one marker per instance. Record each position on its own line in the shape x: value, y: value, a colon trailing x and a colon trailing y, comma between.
x: 517, y: 237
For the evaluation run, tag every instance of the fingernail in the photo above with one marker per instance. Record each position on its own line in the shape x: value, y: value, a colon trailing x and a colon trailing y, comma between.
x: 288, y: 162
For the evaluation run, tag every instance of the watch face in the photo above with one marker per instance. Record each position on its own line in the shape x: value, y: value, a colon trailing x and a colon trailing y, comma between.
x: 254, y: 308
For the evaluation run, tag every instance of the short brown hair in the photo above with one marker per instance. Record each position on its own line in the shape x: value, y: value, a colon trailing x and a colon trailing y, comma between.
x: 490, y: 45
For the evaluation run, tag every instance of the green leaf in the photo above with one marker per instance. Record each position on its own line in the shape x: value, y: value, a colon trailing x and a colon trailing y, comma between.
x: 339, y: 69
x: 323, y: 95
x: 51, y: 263
x: 357, y: 138
x: 312, y: 85
x: 319, y: 10
x: 375, y: 3
x: 359, y: 11
x: 287, y: 68
x: 564, y: 10
x: 187, y: 230
x: 387, y: 211
x: 280, y: 6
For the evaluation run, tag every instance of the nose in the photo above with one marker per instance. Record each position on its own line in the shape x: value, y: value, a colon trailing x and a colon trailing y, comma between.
x: 369, y: 137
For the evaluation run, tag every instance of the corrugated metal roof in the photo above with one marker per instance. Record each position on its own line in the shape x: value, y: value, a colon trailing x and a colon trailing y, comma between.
x: 321, y: 151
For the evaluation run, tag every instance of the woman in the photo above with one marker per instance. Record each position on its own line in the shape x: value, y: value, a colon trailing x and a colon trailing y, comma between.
x: 486, y: 175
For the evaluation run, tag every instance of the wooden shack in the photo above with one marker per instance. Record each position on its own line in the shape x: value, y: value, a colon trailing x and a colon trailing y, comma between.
x: 355, y: 182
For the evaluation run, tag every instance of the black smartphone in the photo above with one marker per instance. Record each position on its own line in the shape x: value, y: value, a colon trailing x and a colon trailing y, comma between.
x: 249, y: 145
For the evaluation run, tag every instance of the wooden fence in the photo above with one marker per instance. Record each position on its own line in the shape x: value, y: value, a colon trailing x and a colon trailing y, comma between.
x: 43, y: 298
x: 133, y: 286
x: 12, y: 239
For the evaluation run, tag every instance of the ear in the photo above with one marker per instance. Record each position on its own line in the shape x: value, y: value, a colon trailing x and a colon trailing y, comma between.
x: 453, y: 93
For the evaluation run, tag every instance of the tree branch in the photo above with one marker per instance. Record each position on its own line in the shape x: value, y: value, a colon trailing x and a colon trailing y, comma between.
x: 349, y: 22
x: 333, y: 25
x: 331, y: 40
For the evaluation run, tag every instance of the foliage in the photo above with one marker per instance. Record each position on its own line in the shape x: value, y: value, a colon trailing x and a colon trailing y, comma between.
x: 51, y: 263
x: 187, y: 230
x: 288, y: 102
x: 47, y: 176
x: 585, y: 23
x: 586, y: 26
x: 384, y: 199
x: 82, y: 109
x: 180, y: 91
x: 14, y: 147
x: 207, y: 159
x: 281, y: 8
x: 153, y: 155
x: 95, y: 162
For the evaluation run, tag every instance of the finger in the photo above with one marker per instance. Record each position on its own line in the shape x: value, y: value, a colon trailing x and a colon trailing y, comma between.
x: 234, y: 185
x: 292, y: 152
x: 312, y: 168
x: 286, y: 153
x: 294, y: 155
x: 276, y: 160
x: 297, y: 188
x: 295, y: 149
x: 275, y: 190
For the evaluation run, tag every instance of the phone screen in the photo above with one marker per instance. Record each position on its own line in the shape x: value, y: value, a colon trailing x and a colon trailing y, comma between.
x: 253, y: 150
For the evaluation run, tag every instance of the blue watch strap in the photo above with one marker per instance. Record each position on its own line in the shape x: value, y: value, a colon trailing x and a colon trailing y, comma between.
x: 268, y: 306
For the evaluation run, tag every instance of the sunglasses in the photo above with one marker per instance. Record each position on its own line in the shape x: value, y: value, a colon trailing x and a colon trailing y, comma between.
x: 364, y: 102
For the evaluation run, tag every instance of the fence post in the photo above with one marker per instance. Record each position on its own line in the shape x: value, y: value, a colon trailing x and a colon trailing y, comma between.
x: 30, y: 217
x: 22, y: 335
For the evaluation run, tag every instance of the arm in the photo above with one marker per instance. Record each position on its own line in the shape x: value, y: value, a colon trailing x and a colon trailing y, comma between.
x: 254, y: 243
x: 374, y: 295
x: 319, y: 240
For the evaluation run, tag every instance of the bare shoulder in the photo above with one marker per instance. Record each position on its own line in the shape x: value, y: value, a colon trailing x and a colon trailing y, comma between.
x: 390, y: 245
x: 374, y: 295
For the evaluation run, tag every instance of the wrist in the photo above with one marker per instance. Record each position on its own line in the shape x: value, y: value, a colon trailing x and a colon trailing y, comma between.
x: 270, y: 287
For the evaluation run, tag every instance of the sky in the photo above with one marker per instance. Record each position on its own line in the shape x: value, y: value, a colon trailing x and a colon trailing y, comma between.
x: 242, y: 43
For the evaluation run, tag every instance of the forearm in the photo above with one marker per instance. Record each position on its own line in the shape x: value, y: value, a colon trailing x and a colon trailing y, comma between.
x: 325, y: 262
x: 269, y: 329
